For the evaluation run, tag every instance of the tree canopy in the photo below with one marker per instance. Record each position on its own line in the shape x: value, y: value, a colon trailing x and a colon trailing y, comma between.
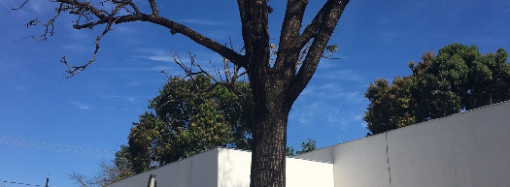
x: 458, y: 78
x: 184, y: 121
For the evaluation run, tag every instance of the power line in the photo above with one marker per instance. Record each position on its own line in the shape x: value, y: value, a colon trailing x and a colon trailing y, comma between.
x: 56, y: 147
x: 21, y: 183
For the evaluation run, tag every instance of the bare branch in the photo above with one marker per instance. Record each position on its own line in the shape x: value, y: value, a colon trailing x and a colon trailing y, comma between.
x: 229, y: 83
x: 93, y: 16
x: 130, y: 3
x: 154, y: 8
x: 74, y: 70
x: 165, y: 22
x: 226, y: 69
x: 21, y: 6
x: 168, y: 77
x: 49, y: 27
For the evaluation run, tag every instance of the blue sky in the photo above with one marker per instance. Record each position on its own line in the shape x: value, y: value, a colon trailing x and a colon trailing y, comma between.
x: 50, y: 126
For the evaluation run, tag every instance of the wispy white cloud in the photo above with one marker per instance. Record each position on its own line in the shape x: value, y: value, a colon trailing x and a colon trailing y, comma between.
x: 81, y: 106
x: 78, y: 34
x: 75, y: 48
x: 38, y: 6
x: 342, y: 74
x: 160, y: 57
x: 202, y: 22
x: 333, y: 91
x: 155, y: 55
x: 107, y: 96
x: 133, y: 99
x: 325, y: 113
x: 109, y: 108
x: 315, y: 113
x: 133, y: 83
x: 167, y: 69
x: 348, y: 120
x: 389, y: 35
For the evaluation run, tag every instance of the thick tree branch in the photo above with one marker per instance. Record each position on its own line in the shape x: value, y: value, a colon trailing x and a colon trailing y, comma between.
x: 132, y: 5
x: 242, y: 12
x: 327, y: 26
x: 154, y: 8
x: 312, y: 29
x: 255, y: 33
x: 175, y: 27
x: 287, y: 51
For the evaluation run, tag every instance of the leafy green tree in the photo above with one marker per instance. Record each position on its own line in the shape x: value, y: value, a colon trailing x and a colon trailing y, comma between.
x: 310, y: 145
x: 389, y: 105
x: 185, y: 121
x: 458, y: 78
x: 275, y: 84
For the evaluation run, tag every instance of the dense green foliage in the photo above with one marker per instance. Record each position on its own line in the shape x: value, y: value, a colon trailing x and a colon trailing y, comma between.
x: 458, y: 78
x: 184, y: 121
x: 305, y: 147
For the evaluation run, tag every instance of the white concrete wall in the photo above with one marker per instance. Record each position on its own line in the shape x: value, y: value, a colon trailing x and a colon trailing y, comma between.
x: 326, y: 154
x: 361, y: 163
x: 198, y: 171
x: 306, y: 173
x: 467, y: 149
x: 229, y: 168
x: 234, y: 170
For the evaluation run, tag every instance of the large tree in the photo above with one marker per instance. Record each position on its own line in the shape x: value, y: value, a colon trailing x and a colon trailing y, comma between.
x: 184, y: 121
x: 275, y: 85
x: 458, y: 78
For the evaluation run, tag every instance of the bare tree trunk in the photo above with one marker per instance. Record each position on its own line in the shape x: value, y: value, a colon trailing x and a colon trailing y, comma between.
x: 268, y: 157
x: 270, y: 116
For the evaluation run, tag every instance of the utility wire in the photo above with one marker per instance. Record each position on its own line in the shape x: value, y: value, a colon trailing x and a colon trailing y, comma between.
x: 20, y: 183
x: 56, y: 147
